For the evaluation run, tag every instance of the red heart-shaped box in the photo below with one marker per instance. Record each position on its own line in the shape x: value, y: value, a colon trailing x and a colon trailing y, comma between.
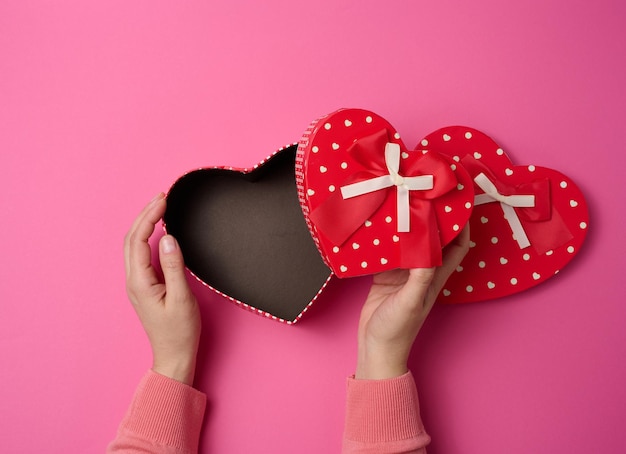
x: 528, y: 221
x: 371, y: 204
x: 242, y: 234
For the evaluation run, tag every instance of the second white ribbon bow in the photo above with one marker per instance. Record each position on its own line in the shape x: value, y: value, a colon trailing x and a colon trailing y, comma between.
x: 507, y: 202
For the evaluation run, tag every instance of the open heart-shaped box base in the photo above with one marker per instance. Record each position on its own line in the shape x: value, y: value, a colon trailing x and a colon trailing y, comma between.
x: 242, y: 234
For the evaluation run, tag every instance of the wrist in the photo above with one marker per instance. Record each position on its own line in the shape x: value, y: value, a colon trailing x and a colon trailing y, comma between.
x: 380, y: 364
x: 182, y: 371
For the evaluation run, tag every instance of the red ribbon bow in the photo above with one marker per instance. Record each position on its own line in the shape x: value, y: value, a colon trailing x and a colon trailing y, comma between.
x: 338, y: 218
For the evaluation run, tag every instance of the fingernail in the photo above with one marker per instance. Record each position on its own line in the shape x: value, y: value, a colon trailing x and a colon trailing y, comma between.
x: 168, y: 244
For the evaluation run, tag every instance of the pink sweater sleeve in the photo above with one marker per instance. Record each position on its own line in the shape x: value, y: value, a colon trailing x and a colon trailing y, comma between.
x: 382, y: 417
x: 165, y: 416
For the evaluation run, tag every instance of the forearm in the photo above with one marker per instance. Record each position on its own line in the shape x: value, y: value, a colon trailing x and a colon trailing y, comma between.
x: 165, y: 416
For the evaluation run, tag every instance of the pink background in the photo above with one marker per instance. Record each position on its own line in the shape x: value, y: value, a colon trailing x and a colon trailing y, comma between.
x: 103, y: 104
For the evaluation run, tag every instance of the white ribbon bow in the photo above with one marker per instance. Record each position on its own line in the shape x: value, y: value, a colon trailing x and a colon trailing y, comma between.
x: 404, y: 185
x: 507, y: 202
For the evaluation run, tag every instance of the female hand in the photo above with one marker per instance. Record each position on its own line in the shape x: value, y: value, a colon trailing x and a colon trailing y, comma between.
x: 395, y: 309
x: 167, y: 310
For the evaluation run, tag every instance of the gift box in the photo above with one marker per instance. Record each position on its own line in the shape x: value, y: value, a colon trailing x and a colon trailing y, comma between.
x: 351, y: 199
x: 370, y: 203
x: 242, y: 234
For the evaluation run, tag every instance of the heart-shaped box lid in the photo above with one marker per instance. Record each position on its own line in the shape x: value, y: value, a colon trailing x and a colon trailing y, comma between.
x: 528, y: 221
x: 370, y: 203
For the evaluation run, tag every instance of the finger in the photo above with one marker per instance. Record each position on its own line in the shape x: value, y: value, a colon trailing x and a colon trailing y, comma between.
x: 136, y: 223
x: 453, y: 255
x: 157, y: 198
x: 173, y: 267
x: 139, y: 254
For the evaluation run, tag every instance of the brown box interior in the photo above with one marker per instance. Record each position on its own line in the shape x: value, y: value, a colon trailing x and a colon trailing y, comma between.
x: 244, y: 234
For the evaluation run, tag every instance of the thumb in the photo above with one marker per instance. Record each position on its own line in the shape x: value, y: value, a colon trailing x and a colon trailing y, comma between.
x: 173, y: 266
x: 416, y: 288
x: 420, y: 279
